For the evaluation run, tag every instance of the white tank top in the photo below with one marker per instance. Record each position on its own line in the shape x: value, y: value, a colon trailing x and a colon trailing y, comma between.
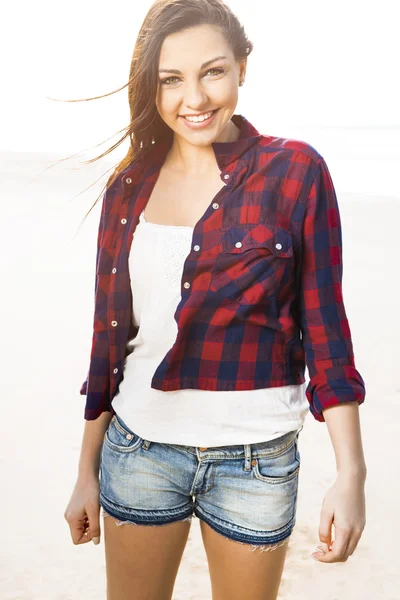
x: 190, y: 417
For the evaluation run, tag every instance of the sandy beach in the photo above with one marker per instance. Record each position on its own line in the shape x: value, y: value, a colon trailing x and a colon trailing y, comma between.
x: 47, y: 301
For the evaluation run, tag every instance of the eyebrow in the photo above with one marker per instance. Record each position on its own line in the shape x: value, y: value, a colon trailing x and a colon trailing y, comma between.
x: 203, y: 66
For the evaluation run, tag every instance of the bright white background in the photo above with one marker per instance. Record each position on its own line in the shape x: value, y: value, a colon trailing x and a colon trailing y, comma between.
x: 314, y: 63
x: 325, y: 72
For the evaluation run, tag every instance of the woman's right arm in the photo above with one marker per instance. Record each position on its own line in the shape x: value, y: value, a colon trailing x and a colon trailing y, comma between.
x: 83, y: 510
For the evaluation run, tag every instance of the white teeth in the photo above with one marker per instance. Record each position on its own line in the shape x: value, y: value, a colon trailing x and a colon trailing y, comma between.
x: 199, y: 119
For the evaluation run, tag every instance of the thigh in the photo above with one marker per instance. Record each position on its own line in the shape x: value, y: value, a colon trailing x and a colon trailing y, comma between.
x: 142, y: 561
x: 247, y: 510
x: 240, y: 571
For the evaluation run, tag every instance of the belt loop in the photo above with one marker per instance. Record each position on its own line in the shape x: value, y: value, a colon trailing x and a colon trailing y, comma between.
x: 247, y: 457
x: 146, y: 444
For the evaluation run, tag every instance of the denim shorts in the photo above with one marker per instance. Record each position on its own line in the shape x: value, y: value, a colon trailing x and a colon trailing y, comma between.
x: 245, y: 492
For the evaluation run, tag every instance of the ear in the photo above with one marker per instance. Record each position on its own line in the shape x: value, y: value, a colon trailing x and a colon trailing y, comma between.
x: 242, y: 69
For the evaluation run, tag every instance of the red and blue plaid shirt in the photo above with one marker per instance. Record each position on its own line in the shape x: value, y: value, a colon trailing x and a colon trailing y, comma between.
x: 261, y: 289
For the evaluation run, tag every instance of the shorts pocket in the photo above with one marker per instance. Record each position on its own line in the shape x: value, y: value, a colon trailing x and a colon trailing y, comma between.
x: 278, y: 468
x: 121, y: 439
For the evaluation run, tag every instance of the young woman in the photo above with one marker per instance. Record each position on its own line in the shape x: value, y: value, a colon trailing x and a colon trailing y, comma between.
x: 218, y: 279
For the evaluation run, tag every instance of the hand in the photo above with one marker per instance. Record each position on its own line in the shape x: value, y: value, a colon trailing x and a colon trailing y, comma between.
x: 83, y: 511
x: 344, y: 507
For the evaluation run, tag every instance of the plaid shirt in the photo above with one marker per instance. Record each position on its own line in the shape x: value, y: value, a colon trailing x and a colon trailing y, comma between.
x: 261, y: 289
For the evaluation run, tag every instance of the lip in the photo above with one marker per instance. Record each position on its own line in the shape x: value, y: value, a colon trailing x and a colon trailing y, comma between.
x: 201, y: 125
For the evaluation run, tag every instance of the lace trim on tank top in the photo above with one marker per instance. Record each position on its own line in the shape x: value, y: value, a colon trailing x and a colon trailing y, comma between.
x: 174, y: 247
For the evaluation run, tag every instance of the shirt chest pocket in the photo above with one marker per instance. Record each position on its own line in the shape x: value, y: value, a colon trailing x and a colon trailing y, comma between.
x: 255, y: 262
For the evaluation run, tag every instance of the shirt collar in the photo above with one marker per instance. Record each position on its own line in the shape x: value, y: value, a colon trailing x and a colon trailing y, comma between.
x: 229, y: 152
x: 226, y: 153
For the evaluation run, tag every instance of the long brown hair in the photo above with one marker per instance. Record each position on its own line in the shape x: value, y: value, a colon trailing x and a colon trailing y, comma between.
x: 164, y: 18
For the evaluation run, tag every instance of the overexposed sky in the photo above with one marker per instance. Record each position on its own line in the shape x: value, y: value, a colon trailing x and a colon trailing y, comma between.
x: 314, y: 63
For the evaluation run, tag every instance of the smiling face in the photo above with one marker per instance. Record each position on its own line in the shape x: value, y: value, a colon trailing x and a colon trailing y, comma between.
x: 198, y: 74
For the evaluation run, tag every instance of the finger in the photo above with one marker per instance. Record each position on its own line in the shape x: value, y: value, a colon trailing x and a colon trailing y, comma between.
x: 326, y: 523
x: 324, y: 547
x: 338, y: 548
x: 352, y: 545
x: 325, y: 531
x: 93, y: 512
x: 78, y: 529
x: 324, y: 534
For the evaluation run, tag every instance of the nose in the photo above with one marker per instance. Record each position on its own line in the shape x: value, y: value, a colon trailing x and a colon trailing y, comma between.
x: 195, y: 96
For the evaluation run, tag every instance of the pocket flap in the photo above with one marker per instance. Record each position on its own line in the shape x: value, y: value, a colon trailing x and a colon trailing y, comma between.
x: 239, y: 238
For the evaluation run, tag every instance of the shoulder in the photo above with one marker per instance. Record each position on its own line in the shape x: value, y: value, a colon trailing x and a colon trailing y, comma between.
x: 288, y: 148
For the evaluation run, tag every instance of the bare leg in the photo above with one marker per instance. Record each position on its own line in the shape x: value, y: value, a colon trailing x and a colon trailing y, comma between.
x: 142, y: 561
x: 239, y: 570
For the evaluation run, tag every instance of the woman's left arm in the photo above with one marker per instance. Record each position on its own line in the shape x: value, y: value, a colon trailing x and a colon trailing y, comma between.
x: 336, y: 388
x: 344, y: 503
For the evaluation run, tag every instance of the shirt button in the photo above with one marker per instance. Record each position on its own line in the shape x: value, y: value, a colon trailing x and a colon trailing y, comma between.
x: 114, y: 270
x: 115, y: 371
x: 215, y: 205
x: 238, y: 244
x: 114, y: 323
x: 186, y: 285
x: 123, y: 221
x: 196, y: 248
x: 226, y: 176
x: 128, y: 180
x: 279, y: 246
x: 129, y: 436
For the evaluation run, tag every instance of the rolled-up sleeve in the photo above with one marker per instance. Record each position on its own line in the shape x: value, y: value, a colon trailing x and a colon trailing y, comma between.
x: 97, y: 382
x: 325, y: 330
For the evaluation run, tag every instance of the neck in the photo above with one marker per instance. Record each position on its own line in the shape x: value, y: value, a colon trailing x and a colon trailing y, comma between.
x: 188, y: 159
